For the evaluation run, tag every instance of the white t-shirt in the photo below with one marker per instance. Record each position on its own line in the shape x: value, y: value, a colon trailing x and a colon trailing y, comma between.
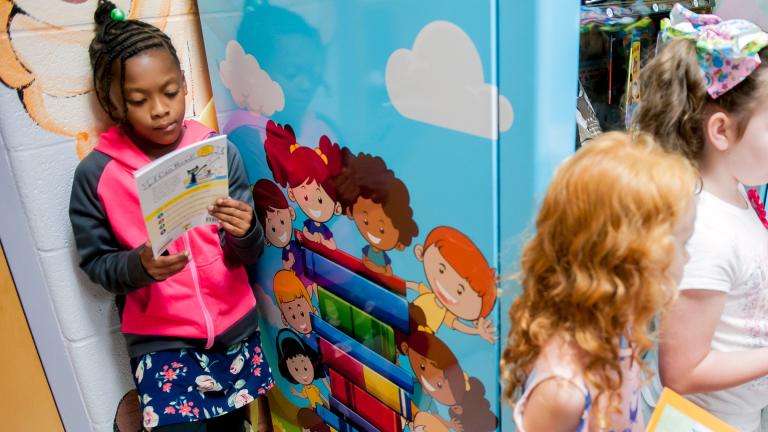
x: 729, y: 253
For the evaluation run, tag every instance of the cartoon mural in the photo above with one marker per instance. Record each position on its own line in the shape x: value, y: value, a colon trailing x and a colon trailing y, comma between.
x: 49, y: 67
x: 438, y: 377
x: 308, y: 175
x: 399, y: 339
x: 277, y: 217
x: 440, y: 82
x: 300, y: 364
x: 293, y: 300
x: 461, y: 285
x: 379, y: 204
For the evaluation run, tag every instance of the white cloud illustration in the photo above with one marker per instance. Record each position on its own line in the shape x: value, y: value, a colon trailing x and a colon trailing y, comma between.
x: 250, y: 86
x: 440, y: 82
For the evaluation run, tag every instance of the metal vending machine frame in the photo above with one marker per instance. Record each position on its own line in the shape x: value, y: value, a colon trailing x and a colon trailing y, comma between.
x: 397, y: 151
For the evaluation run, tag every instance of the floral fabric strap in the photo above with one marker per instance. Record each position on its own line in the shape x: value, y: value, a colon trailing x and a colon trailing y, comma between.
x: 727, y: 51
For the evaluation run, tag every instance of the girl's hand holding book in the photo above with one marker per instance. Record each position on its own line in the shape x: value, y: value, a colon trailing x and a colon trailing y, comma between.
x: 164, y: 266
x: 234, y: 216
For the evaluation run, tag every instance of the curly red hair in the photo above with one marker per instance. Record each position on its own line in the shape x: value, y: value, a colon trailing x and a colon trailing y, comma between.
x: 595, y: 270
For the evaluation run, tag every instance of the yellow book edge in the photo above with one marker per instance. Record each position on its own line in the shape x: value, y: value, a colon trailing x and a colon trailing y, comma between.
x: 670, y: 400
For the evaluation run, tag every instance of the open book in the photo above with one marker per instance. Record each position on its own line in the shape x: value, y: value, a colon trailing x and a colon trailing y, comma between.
x: 675, y: 413
x: 176, y: 190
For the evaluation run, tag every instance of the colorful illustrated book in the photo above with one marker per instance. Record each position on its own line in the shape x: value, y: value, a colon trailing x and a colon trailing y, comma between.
x: 176, y: 190
x: 675, y: 413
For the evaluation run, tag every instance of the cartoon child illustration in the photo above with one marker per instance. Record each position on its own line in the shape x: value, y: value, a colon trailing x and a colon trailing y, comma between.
x: 309, y: 421
x: 300, y: 364
x: 193, y: 175
x: 439, y: 378
x: 294, y: 301
x: 379, y: 204
x: 461, y: 284
x: 308, y: 175
x: 277, y: 217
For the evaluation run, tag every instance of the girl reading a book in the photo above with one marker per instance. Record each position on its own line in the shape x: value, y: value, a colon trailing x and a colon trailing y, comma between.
x: 189, y: 317
x: 606, y: 256
x: 308, y: 174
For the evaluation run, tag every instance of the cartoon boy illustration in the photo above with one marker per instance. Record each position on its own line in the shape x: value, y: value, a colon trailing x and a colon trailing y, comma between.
x: 461, y: 284
x: 293, y: 301
x: 379, y: 204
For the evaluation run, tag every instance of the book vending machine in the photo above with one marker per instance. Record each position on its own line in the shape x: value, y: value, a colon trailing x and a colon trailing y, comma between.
x: 395, y: 151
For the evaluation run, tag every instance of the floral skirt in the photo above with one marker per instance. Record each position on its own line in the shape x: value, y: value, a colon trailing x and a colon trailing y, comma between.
x: 189, y: 385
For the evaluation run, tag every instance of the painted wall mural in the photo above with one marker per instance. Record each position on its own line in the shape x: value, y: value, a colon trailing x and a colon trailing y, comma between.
x: 443, y: 72
x: 370, y: 155
x: 44, y: 56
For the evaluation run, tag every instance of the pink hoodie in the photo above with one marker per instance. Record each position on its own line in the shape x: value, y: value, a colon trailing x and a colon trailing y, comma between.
x: 210, y: 301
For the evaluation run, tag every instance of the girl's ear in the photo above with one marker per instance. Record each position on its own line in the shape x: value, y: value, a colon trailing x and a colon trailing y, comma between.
x: 291, y: 197
x: 457, y: 409
x: 114, y: 99
x: 114, y: 110
x: 399, y: 246
x: 292, y: 212
x: 337, y: 209
x: 721, y: 131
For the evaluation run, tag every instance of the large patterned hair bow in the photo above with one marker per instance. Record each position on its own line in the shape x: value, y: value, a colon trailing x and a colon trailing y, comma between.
x: 727, y: 51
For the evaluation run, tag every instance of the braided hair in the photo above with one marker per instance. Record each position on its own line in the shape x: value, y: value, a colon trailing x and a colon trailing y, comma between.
x: 120, y: 40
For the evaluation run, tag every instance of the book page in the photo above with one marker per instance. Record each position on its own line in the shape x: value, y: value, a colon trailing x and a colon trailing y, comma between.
x: 176, y: 190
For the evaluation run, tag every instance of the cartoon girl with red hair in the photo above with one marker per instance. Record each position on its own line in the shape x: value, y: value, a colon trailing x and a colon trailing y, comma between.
x: 462, y: 286
x: 308, y: 175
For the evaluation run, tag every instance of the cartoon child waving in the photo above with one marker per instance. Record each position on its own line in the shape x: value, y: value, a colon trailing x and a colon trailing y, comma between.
x: 462, y: 286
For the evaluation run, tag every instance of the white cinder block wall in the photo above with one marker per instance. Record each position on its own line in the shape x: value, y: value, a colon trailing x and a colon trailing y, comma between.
x: 45, y: 106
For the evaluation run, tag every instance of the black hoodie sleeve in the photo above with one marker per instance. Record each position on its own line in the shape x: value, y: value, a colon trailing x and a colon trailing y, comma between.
x: 119, y: 271
x: 246, y: 249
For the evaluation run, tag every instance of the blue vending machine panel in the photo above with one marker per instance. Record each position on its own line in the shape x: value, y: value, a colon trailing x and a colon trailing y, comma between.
x: 383, y: 140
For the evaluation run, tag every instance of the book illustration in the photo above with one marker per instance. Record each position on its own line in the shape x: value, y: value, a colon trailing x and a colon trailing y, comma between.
x: 632, y: 98
x: 176, y: 190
